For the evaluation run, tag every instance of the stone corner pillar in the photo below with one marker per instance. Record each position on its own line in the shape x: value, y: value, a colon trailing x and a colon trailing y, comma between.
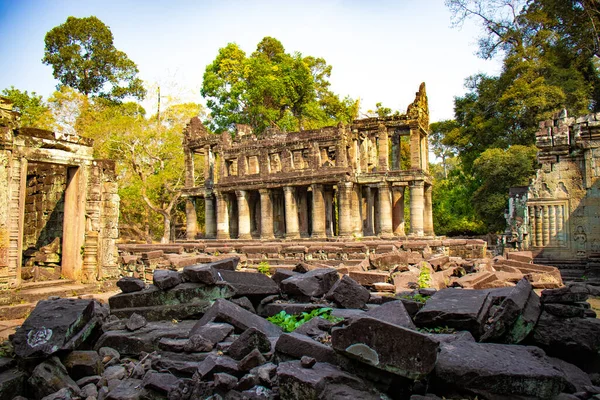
x: 191, y: 219
x: 416, y: 208
x: 222, y: 216
x: 318, y: 212
x: 243, y: 215
x: 428, y: 211
x: 266, y: 210
x: 291, y: 213
x: 210, y: 219
x: 345, y: 209
x: 385, y: 209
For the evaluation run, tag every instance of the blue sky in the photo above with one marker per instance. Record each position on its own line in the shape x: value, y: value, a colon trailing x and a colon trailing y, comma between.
x: 380, y: 50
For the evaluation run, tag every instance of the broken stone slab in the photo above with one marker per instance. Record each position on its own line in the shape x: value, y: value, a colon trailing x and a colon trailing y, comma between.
x: 271, y: 309
x: 200, y: 273
x: 572, y: 293
x: 477, y: 280
x: 226, y: 263
x: 393, y: 312
x: 576, y: 340
x: 282, y: 274
x: 54, y: 325
x: 225, y: 311
x: 129, y: 284
x: 565, y: 310
x: 515, y: 317
x: 522, y: 256
x: 386, y: 346
x: 459, y: 309
x: 144, y: 339
x: 249, y: 340
x: 347, y: 293
x: 215, y: 363
x: 390, y: 261
x: 439, y: 261
x: 315, y: 327
x: 82, y: 363
x: 368, y: 278
x: 252, y: 360
x: 127, y: 389
x: 165, y: 279
x: 527, y: 268
x: 214, y: 332
x: 576, y: 379
x: 160, y: 382
x: 49, y: 377
x: 314, y: 283
x: 12, y: 382
x: 245, y: 303
x: 297, y: 345
x: 497, y: 369
x: 251, y: 284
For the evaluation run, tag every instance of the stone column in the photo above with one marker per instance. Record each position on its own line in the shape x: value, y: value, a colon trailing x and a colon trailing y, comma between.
x: 532, y: 232
x: 552, y: 221
x: 369, y: 226
x: 301, y: 204
x: 385, y: 209
x: 416, y: 208
x: 222, y: 216
x: 428, y: 212
x: 398, y: 211
x: 291, y: 214
x: 191, y: 219
x: 243, y: 215
x: 538, y: 226
x: 210, y: 220
x: 545, y: 226
x: 415, y: 147
x: 345, y: 208
x: 329, y: 227
x: 318, y: 211
x: 383, y: 148
x: 356, y: 214
x: 266, y: 210
x: 560, y: 224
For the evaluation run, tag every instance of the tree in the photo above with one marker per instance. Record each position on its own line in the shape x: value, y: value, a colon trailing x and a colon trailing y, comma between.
x: 271, y: 88
x: 437, y: 132
x: 82, y: 56
x: 34, y: 112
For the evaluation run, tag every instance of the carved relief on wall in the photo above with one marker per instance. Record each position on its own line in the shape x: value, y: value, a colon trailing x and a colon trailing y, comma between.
x: 580, y: 237
x: 275, y: 161
x: 297, y: 159
x: 232, y: 167
x: 253, y: 165
x: 548, y: 223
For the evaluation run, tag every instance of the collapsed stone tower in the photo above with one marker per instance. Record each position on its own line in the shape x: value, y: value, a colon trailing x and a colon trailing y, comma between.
x: 346, y: 181
x: 56, y: 196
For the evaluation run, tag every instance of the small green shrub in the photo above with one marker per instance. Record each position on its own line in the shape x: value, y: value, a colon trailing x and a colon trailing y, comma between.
x: 438, y: 330
x: 289, y: 322
x: 264, y: 268
x: 424, y: 278
x: 417, y: 297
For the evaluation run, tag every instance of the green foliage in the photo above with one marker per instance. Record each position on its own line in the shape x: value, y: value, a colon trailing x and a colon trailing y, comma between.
x: 438, y: 330
x: 264, y: 268
x: 34, y: 112
x: 82, y: 56
x: 424, y: 280
x: 417, y: 297
x: 271, y: 88
x: 6, y: 349
x: 289, y: 322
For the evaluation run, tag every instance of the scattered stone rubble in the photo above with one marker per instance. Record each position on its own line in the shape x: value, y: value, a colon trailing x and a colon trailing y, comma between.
x: 202, y: 333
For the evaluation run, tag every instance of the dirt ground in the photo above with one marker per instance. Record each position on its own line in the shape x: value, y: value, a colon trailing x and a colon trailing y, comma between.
x: 595, y: 303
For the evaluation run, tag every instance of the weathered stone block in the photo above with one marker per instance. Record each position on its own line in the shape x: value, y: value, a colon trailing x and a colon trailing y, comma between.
x: 314, y: 283
x: 347, y: 293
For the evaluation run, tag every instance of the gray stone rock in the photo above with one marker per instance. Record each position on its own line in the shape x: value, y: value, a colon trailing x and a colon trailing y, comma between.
x: 257, y: 393
x: 249, y: 340
x: 226, y: 311
x: 282, y: 274
x: 455, y: 308
x: 214, y: 364
x: 130, y: 285
x: 49, y: 377
x: 54, y: 325
x: 80, y: 364
x: 252, y: 360
x: 12, y: 382
x: 572, y: 293
x: 89, y: 390
x: 307, y: 362
x: 266, y: 374
x: 244, y: 303
x: 251, y: 284
x: 135, y: 322
x: 160, y: 382
x: 127, y: 389
x: 392, y: 312
x: 386, y: 346
x: 200, y: 273
x: 93, y: 379
x: 165, y: 279
x: 247, y: 381
x: 62, y: 394
x: 297, y: 345
x: 564, y: 310
x: 214, y: 332
x: 227, y: 264
x: 174, y: 345
x: 498, y: 369
x: 198, y: 343
x: 114, y: 372
x: 225, y: 381
x: 314, y: 283
x: 6, y: 363
x: 347, y: 293
x: 314, y: 328
x: 577, y: 380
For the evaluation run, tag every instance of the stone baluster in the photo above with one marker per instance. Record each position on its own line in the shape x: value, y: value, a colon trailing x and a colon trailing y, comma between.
x: 291, y: 214
x: 552, y: 222
x: 538, y: 226
x: 560, y: 222
x: 545, y: 226
x: 532, y: 229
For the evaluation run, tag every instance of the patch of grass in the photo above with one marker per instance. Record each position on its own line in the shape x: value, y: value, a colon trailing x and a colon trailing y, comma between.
x: 264, y: 268
x: 290, y: 322
x: 438, y: 330
x: 424, y: 278
x: 417, y: 297
x: 6, y: 350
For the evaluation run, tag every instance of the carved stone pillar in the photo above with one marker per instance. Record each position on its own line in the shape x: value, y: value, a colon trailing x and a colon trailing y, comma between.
x: 532, y: 230
x: 210, y: 220
x: 291, y: 214
x: 538, y: 226
x: 266, y: 210
x: 415, y: 147
x: 318, y: 211
x: 356, y: 214
x: 369, y: 221
x: 398, y: 211
x: 345, y: 208
x: 385, y: 209
x: 222, y: 216
x: 545, y: 226
x: 243, y: 215
x: 383, y: 148
x: 560, y: 223
x: 191, y: 219
x: 416, y: 208
x: 428, y: 212
x: 552, y: 222
x: 329, y: 221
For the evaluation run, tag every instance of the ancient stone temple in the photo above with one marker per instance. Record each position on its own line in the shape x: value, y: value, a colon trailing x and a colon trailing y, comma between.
x: 346, y: 180
x: 563, y: 202
x: 59, y: 206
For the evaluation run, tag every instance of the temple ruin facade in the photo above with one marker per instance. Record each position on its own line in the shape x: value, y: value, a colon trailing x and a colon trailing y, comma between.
x: 559, y: 217
x: 342, y: 181
x: 59, y: 207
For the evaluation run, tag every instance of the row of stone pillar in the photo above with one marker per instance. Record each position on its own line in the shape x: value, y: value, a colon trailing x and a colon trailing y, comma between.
x: 390, y: 208
x: 547, y: 225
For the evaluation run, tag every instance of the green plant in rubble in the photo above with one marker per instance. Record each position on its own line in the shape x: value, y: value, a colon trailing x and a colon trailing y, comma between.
x: 438, y: 330
x: 424, y: 278
x: 290, y: 322
x: 264, y: 268
x: 417, y: 297
x: 6, y: 349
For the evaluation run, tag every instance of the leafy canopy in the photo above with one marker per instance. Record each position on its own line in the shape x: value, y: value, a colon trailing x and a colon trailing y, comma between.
x: 82, y: 56
x: 34, y: 112
x: 271, y: 88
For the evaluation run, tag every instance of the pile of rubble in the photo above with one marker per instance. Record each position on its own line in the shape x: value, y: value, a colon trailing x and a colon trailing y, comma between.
x: 203, y: 332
